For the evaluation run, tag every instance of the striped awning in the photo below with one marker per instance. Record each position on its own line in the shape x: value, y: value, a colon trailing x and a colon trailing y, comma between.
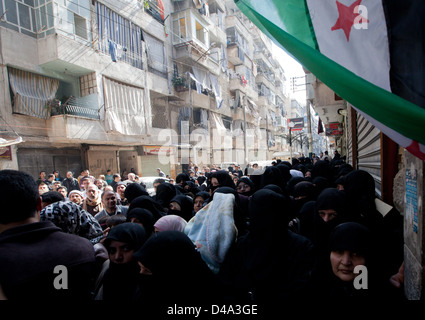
x: 125, y: 110
x: 32, y: 92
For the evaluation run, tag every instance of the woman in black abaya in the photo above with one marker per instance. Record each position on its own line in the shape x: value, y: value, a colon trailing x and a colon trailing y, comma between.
x: 179, y: 275
x: 270, y: 264
x: 120, y: 279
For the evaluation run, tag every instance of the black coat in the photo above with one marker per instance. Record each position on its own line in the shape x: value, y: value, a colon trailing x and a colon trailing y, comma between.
x: 29, y: 254
x: 71, y: 184
x: 270, y: 264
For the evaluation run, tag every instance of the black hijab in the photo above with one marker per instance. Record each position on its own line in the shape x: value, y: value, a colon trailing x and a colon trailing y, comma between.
x: 164, y: 193
x: 322, y: 169
x: 182, y: 177
x: 355, y: 238
x: 204, y: 194
x: 131, y: 233
x: 258, y: 261
x: 274, y: 188
x: 351, y: 236
x: 249, y: 182
x: 186, y: 206
x: 359, y: 186
x: 120, y: 282
x: 146, y: 202
x: 144, y: 216
x: 272, y: 176
x: 223, y: 178
x: 134, y: 190
x: 179, y: 272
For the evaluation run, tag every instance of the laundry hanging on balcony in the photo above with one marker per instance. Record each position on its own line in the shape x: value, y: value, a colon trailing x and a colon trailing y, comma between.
x: 202, y: 77
x: 116, y: 50
x: 216, y: 89
x: 198, y: 85
x: 32, y: 93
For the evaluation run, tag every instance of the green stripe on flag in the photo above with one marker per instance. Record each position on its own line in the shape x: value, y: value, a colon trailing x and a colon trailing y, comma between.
x: 391, y: 110
x: 293, y: 13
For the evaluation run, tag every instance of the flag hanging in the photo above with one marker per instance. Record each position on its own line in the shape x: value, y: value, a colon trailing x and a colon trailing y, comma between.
x: 368, y: 52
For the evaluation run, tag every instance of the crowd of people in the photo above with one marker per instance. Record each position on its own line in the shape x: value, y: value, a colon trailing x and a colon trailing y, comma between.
x: 263, y: 235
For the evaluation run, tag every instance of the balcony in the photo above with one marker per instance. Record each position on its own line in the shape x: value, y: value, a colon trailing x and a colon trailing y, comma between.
x: 194, y: 99
x: 235, y: 54
x: 86, y: 107
x: 262, y: 78
x: 190, y: 52
x: 237, y: 83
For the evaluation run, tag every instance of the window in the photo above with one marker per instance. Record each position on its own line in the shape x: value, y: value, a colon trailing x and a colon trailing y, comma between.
x: 19, y: 15
x: 80, y: 26
x: 119, y: 37
x: 179, y: 28
x: 201, y: 33
x: 157, y: 60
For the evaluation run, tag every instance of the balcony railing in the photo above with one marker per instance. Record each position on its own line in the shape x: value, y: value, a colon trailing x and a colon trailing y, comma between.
x: 85, y: 107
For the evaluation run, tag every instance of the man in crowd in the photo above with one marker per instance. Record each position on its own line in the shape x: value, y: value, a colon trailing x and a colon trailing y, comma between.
x: 92, y: 203
x: 109, y: 201
x: 70, y: 182
x: 76, y: 196
x: 31, y: 251
x: 160, y: 173
x: 120, y: 190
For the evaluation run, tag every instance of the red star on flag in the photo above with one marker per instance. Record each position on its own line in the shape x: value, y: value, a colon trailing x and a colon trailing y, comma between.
x: 347, y: 17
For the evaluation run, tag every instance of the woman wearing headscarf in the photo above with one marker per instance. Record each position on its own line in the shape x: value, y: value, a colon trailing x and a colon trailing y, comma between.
x: 220, y: 178
x: 359, y: 186
x: 240, y: 209
x: 200, y: 200
x: 164, y: 193
x: 272, y: 175
x: 191, y: 187
x: 274, y: 188
x: 304, y: 191
x: 179, y: 275
x: 245, y: 186
x: 317, y: 219
x: 146, y: 202
x: 323, y: 169
x: 143, y: 217
x: 134, y: 190
x: 270, y: 264
x: 119, y: 279
x: 181, y: 205
x: 71, y: 218
x: 351, y: 247
x: 202, y: 182
x: 170, y: 222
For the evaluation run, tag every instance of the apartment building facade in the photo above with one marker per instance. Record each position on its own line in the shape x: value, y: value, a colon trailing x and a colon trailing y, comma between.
x: 131, y: 84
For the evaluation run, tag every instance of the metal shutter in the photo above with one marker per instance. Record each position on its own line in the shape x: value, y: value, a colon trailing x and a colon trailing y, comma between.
x: 369, y: 150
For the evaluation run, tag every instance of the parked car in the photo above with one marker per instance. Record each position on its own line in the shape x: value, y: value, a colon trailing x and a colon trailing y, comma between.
x: 148, y: 181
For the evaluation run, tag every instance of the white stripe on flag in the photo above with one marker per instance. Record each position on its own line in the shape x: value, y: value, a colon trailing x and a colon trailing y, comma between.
x: 366, y: 53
